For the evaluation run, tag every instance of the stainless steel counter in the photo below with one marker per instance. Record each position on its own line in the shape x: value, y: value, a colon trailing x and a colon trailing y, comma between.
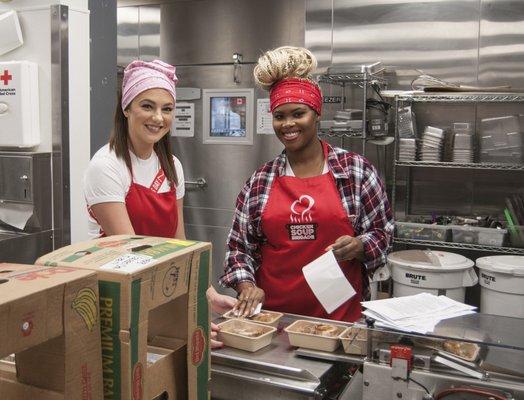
x: 280, y: 371
x: 24, y: 248
x: 276, y: 371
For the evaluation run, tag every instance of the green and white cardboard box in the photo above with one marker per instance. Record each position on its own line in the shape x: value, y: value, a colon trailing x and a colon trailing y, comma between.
x: 154, y: 315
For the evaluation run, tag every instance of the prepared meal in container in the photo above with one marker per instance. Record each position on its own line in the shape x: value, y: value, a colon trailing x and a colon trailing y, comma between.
x: 245, y: 335
x: 354, y: 340
x: 314, y: 335
x: 264, y: 317
x: 465, y: 350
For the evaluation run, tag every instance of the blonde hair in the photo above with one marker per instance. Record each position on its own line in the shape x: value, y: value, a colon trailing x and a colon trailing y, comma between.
x: 284, y: 62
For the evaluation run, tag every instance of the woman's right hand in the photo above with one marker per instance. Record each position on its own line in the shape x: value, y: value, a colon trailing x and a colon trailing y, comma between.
x: 249, y: 297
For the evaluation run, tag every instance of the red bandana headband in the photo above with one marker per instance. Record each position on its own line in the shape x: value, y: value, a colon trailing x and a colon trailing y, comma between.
x: 295, y: 90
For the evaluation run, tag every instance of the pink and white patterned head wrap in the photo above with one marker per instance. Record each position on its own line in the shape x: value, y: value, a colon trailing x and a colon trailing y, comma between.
x: 143, y: 75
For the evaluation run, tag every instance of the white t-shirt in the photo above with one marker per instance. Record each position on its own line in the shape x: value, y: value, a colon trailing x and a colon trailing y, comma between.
x: 107, y: 179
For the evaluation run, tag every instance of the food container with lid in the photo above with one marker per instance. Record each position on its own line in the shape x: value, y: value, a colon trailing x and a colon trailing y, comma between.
x: 354, y: 340
x: 477, y: 235
x: 413, y: 230
x: 431, y: 271
x: 245, y: 335
x: 314, y: 335
x: 265, y: 317
x: 502, y: 285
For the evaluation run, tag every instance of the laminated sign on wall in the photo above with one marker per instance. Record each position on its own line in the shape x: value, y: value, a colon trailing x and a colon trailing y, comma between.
x: 19, y: 104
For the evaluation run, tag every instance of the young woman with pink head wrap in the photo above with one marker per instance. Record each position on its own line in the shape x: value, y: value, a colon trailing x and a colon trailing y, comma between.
x: 134, y: 184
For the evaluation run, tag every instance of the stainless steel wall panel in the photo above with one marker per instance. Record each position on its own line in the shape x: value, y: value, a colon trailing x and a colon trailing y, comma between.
x: 127, y: 35
x: 319, y: 32
x: 439, y: 37
x: 60, y: 137
x: 210, y: 31
x: 102, y: 30
x: 212, y: 217
x: 225, y: 167
x: 216, y: 235
x: 501, y: 47
x: 149, y: 32
x: 469, y: 192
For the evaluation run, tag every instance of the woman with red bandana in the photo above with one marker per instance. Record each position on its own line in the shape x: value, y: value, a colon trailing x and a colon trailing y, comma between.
x: 310, y: 199
x: 134, y: 185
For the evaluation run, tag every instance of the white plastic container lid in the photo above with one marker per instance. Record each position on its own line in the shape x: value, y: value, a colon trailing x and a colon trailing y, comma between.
x: 430, y: 260
x: 512, y: 265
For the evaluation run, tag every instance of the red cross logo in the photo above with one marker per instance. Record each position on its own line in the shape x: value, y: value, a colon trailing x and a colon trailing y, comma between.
x: 6, y: 77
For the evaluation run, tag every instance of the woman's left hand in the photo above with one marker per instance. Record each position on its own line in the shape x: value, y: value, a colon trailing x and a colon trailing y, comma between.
x: 220, y: 303
x: 215, y: 344
x: 347, y: 248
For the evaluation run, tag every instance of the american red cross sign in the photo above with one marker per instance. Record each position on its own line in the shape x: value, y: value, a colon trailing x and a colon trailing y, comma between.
x: 6, y: 77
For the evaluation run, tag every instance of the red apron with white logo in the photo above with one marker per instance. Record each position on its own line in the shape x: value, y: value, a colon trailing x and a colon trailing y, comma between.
x: 152, y: 213
x: 302, y: 217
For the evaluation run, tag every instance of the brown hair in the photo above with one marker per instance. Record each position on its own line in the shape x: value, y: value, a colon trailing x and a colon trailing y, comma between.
x: 120, y: 144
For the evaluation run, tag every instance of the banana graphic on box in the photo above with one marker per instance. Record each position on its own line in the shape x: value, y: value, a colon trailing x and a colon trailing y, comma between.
x: 85, y: 304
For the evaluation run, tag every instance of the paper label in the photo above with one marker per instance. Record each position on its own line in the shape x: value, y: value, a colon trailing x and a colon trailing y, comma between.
x: 184, y: 120
x: 264, y: 118
x: 128, y: 262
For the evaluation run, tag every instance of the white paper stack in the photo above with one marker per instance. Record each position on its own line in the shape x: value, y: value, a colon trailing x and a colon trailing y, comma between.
x: 432, y: 144
x: 419, y: 313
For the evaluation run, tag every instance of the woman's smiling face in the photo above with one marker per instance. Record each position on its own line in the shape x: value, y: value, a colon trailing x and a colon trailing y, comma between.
x: 149, y: 116
x: 295, y: 125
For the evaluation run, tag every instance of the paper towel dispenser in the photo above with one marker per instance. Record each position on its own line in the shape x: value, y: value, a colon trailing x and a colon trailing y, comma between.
x: 19, y: 104
x: 25, y: 191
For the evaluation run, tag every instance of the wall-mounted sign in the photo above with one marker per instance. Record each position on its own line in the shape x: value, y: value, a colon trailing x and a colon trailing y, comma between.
x: 264, y: 118
x: 332, y: 99
x: 184, y: 120
x: 228, y: 116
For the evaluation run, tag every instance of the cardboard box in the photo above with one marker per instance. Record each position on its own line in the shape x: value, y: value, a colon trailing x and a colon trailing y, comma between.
x: 49, y: 317
x: 152, y: 293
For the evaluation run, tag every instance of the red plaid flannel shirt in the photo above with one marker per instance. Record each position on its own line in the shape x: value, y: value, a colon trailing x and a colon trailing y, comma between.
x: 363, y: 197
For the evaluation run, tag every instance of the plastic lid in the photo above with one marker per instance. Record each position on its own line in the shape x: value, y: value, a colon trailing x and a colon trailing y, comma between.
x: 513, y: 265
x: 430, y: 260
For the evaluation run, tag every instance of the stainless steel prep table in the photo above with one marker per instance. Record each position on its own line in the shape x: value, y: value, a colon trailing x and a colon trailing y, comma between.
x: 275, y: 372
x: 280, y: 371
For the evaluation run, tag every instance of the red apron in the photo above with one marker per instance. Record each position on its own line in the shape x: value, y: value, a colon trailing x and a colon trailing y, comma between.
x: 302, y: 217
x: 151, y: 213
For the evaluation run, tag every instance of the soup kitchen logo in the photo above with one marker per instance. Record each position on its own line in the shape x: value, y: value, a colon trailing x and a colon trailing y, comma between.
x: 301, y: 226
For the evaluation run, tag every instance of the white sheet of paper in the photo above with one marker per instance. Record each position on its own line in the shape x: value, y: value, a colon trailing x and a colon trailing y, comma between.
x: 327, y: 281
x: 416, y: 313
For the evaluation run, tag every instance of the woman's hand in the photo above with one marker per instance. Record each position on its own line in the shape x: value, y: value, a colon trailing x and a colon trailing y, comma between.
x: 249, y: 296
x: 215, y: 344
x: 220, y: 303
x: 347, y: 248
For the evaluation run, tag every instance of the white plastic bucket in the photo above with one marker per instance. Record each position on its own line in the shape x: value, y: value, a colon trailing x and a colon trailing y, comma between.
x: 502, y: 285
x: 435, y: 272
